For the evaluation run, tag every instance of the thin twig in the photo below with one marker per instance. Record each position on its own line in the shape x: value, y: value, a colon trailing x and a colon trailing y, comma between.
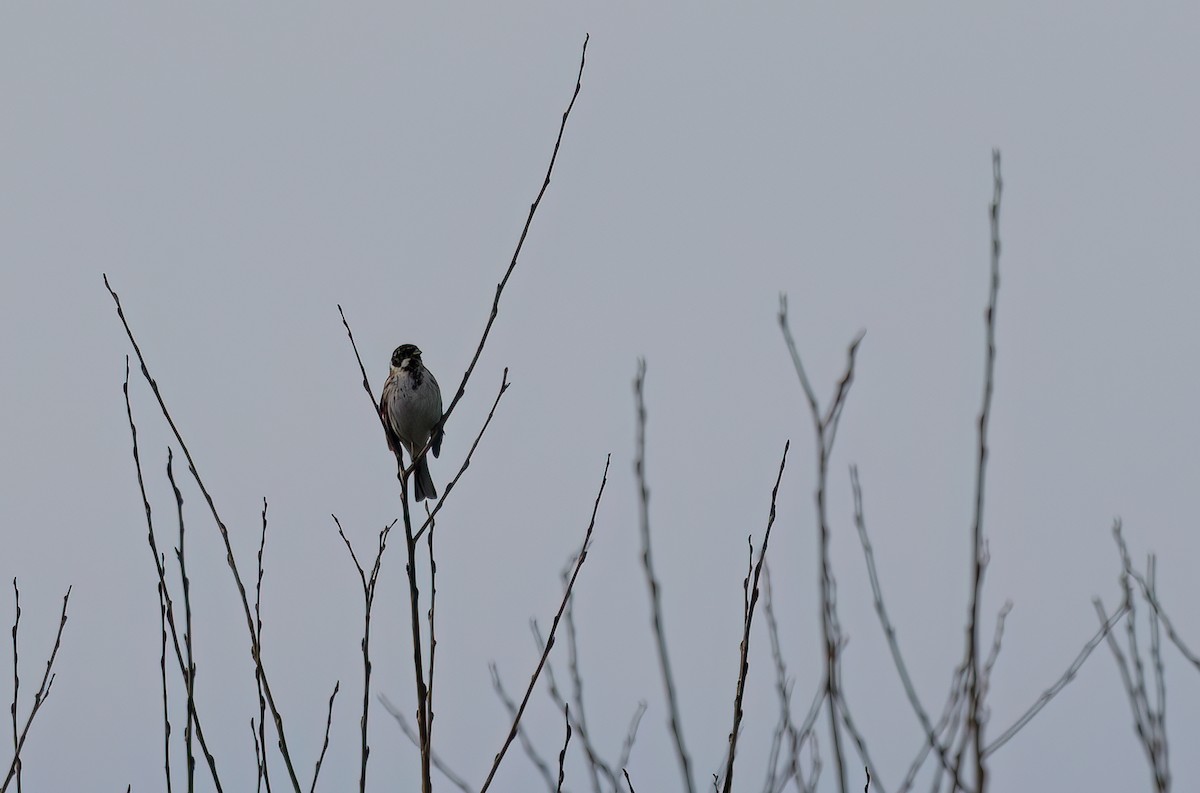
x: 263, y: 771
x: 889, y: 629
x: 595, y: 762
x: 543, y: 768
x: 751, y: 602
x: 553, y: 629
x: 162, y: 664
x: 325, y: 743
x: 190, y: 678
x: 664, y: 662
x: 17, y: 683
x: 562, y: 756
x: 160, y: 569
x: 432, y: 632
x: 630, y: 736
x: 825, y: 428
x: 39, y: 696
x: 504, y: 384
x: 576, y: 677
x: 1058, y: 685
x: 975, y: 698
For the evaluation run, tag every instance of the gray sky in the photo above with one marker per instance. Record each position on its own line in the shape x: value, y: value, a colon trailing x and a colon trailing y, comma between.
x: 239, y: 171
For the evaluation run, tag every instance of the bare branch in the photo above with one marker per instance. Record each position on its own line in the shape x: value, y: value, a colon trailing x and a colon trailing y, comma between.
x: 550, y: 637
x: 39, y: 696
x: 562, y: 756
x: 325, y: 744
x: 975, y: 699
x: 255, y: 649
x: 751, y: 601
x: 664, y: 662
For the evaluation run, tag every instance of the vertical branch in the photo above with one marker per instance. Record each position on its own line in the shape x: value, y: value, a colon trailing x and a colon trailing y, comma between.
x: 432, y: 633
x: 825, y: 427
x: 162, y: 663
x: 264, y: 773
x: 39, y: 696
x: 975, y: 694
x: 577, y: 696
x: 161, y: 570
x: 17, y: 680
x: 414, y: 599
x: 562, y: 756
x: 189, y: 678
x: 664, y: 662
x: 751, y: 602
x: 368, y: 581
x: 325, y: 744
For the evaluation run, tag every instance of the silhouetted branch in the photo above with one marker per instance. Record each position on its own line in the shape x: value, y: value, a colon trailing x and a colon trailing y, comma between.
x: 189, y: 678
x: 42, y: 692
x: 160, y: 569
x: 975, y: 692
x: 550, y: 636
x: 664, y: 662
x: 17, y: 683
x: 751, y: 602
x: 263, y: 772
x: 504, y: 384
x: 825, y: 427
x: 255, y: 649
x: 368, y: 580
x: 325, y: 744
x: 1059, y: 684
x: 562, y: 756
x: 889, y: 630
x: 531, y: 751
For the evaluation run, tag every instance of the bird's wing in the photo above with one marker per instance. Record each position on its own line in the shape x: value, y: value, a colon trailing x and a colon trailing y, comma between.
x: 393, y: 441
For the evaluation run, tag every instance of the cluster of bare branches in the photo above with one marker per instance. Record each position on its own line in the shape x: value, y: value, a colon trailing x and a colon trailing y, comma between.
x: 20, y: 730
x: 423, y: 633
x: 956, y: 737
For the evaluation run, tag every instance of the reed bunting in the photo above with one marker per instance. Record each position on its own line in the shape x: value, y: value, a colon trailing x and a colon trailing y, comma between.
x: 411, y: 406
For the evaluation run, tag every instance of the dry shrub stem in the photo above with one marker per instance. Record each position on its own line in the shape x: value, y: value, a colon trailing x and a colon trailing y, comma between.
x: 562, y: 756
x: 189, y: 678
x: 17, y: 680
x: 553, y: 629
x: 264, y: 774
x: 1149, y: 717
x: 165, y: 592
x: 255, y: 647
x: 325, y: 744
x: 752, y: 593
x: 976, y: 716
x: 162, y: 665
x: 825, y: 425
x: 543, y: 768
x: 368, y: 581
x: 664, y: 661
x: 42, y: 692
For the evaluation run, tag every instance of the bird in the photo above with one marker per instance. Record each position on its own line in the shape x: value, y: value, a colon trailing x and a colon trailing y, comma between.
x: 411, y: 407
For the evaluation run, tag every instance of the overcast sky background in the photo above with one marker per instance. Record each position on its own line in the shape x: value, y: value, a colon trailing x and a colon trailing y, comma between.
x: 239, y: 170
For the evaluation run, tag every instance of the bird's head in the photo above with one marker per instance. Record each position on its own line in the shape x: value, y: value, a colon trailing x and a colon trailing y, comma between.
x: 405, y: 356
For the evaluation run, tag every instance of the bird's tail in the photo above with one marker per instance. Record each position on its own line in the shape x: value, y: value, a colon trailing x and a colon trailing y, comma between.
x: 423, y: 488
